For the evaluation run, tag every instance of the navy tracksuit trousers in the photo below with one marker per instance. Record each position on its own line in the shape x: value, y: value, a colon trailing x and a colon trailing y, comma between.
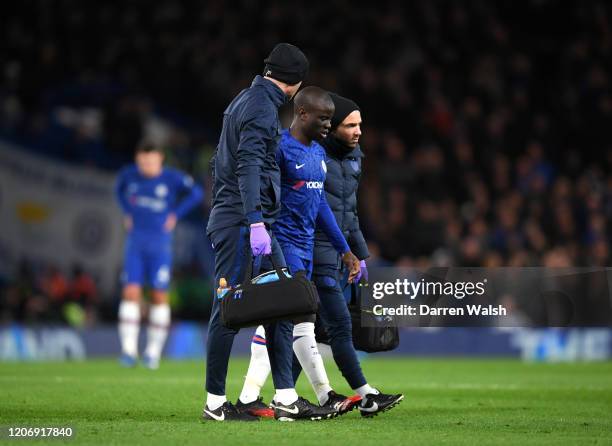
x: 336, y: 319
x: 232, y: 252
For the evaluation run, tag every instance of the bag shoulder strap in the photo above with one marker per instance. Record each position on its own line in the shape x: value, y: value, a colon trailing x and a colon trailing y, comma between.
x: 354, y: 294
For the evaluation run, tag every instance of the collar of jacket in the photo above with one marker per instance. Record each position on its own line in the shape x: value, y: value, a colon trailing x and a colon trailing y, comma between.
x: 276, y: 94
x: 336, y: 149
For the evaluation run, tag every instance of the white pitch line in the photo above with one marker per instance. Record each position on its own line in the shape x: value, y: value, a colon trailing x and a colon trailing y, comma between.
x: 120, y: 380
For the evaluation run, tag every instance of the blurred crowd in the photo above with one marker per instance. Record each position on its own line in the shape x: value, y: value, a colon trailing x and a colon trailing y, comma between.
x: 486, y: 124
x: 45, y: 293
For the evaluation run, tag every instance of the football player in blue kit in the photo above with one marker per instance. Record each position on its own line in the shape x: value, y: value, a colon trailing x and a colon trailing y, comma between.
x: 343, y: 161
x: 303, y: 208
x: 153, y: 198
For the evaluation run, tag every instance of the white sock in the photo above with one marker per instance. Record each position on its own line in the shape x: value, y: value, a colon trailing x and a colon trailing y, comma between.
x: 285, y: 396
x: 259, y: 367
x: 307, y: 352
x: 159, y: 322
x: 129, y: 325
x: 213, y: 402
x: 366, y: 389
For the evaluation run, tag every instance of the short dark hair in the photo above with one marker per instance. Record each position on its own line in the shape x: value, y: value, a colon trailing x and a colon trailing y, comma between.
x: 148, y: 147
x: 311, y: 95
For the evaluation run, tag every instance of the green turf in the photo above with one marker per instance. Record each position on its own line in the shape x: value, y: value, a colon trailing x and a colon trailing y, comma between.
x: 447, y: 402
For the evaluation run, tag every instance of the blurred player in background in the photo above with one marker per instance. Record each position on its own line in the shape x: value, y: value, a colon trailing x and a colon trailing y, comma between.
x: 153, y: 198
x: 303, y: 208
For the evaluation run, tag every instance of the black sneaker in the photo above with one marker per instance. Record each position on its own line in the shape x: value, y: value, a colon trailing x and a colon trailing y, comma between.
x: 256, y: 408
x: 374, y: 404
x: 227, y: 412
x: 339, y: 402
x: 303, y: 409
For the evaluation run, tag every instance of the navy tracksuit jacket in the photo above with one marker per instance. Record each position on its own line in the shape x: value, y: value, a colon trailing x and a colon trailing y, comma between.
x: 246, y: 189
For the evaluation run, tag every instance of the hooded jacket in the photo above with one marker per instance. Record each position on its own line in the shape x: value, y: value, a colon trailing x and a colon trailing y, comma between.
x: 341, y: 183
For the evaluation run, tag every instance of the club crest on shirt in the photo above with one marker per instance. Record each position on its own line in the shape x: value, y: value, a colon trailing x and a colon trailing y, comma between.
x: 355, y: 165
x: 161, y: 190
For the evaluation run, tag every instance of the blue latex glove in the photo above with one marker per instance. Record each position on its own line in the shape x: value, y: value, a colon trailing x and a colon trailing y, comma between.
x: 260, y: 240
x: 363, y: 272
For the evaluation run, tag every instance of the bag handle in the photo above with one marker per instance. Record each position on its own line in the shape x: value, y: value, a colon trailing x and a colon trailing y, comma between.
x: 248, y: 275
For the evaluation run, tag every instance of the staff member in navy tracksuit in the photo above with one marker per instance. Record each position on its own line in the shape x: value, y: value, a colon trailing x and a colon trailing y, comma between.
x: 343, y: 173
x: 246, y: 200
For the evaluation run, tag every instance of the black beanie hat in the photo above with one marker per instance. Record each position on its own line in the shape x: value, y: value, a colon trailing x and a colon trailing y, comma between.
x: 344, y: 107
x: 287, y: 64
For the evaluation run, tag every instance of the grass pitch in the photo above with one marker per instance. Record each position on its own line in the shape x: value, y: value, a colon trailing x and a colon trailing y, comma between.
x: 448, y: 401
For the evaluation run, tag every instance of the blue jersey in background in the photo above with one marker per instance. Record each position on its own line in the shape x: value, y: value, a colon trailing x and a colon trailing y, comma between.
x: 149, y: 201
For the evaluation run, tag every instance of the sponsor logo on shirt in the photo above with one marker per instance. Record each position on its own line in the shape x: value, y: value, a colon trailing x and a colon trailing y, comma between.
x: 155, y: 204
x: 314, y: 184
x: 317, y: 185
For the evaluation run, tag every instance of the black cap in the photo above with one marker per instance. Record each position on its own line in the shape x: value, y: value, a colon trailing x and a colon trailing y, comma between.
x: 344, y: 107
x: 287, y: 64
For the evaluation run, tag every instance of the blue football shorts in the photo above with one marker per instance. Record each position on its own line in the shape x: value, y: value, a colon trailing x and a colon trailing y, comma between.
x: 147, y: 261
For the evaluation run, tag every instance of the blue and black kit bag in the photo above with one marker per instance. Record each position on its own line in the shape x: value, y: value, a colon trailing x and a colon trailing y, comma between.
x: 272, y: 296
x: 378, y: 334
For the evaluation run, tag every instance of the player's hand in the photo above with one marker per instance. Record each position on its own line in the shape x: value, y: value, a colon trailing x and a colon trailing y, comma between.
x: 261, y: 243
x: 170, y: 223
x: 128, y: 223
x: 363, y: 271
x: 352, y: 264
